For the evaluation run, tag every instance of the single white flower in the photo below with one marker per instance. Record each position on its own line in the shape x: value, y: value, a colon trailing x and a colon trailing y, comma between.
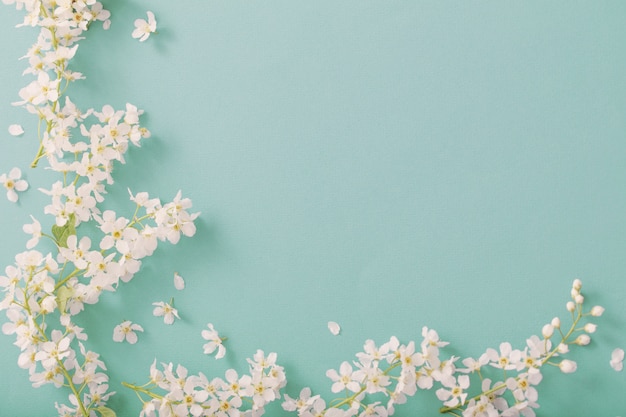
x: 215, y: 342
x: 344, y: 379
x: 617, y: 359
x: 334, y: 328
x: 13, y: 182
x: 143, y: 29
x: 126, y: 331
x: 166, y: 311
x: 15, y: 130
x: 179, y: 282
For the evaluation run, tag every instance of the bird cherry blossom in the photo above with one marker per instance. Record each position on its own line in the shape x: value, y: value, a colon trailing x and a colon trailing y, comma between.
x: 179, y: 282
x: 216, y: 343
x: 144, y: 28
x: 165, y: 310
x: 125, y: 331
x: 13, y: 182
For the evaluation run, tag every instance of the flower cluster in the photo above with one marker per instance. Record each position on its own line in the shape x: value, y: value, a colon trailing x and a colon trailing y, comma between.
x: 43, y: 290
x: 184, y: 395
x: 386, y: 375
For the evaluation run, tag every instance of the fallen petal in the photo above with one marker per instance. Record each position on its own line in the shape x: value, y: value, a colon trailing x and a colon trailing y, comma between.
x: 334, y: 328
x: 16, y: 130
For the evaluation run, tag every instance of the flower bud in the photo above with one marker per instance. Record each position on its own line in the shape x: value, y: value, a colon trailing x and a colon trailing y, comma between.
x: 547, y: 331
x: 562, y: 348
x: 583, y: 340
x: 579, y: 299
x: 571, y: 306
x: 574, y: 292
x: 577, y: 285
x: 590, y: 328
x: 567, y: 366
x: 597, y: 311
x: 556, y: 323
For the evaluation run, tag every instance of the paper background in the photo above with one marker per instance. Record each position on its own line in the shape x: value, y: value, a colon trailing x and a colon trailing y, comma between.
x: 386, y: 165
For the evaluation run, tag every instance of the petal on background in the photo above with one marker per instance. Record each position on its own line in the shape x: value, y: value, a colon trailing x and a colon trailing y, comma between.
x: 179, y: 282
x: 16, y: 130
x: 334, y: 328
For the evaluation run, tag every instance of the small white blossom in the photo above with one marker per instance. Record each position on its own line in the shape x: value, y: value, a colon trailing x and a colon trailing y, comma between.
x: 166, y: 311
x: 143, y: 28
x: 126, y: 331
x: 215, y: 342
x: 344, y: 379
x: 179, y: 282
x: 13, y: 182
x: 16, y: 130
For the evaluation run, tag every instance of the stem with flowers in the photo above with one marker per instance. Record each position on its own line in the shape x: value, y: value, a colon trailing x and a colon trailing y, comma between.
x: 393, y: 372
x: 43, y: 291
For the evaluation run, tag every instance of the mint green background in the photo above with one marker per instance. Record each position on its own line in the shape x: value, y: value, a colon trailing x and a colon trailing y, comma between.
x: 383, y: 164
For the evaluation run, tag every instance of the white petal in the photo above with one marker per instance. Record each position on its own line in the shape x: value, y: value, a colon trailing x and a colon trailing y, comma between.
x: 16, y: 130
x: 21, y: 185
x: 151, y: 20
x: 334, y: 328
x: 179, y: 282
x: 12, y: 196
x: 617, y: 355
x: 15, y: 173
x: 131, y: 338
x: 617, y: 358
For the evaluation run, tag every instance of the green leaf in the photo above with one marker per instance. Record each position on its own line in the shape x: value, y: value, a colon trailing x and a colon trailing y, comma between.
x: 64, y: 293
x: 105, y: 411
x: 61, y: 233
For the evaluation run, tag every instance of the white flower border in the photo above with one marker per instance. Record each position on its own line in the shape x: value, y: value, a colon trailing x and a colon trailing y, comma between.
x: 42, y: 292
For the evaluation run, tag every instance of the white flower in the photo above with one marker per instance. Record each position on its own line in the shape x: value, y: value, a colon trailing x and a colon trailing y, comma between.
x: 215, y: 342
x: 143, y: 28
x: 344, y: 379
x: 15, y: 130
x: 13, y: 182
x: 334, y: 328
x: 617, y: 359
x: 166, y: 311
x: 126, y: 331
x: 179, y: 282
x: 455, y: 394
